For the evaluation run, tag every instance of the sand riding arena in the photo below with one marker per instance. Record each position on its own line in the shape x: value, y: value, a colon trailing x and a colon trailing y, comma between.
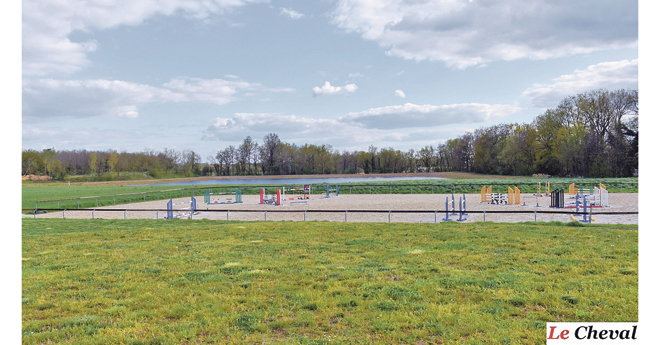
x: 408, y: 208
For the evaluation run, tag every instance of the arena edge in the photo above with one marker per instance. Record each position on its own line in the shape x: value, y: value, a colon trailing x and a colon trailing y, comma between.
x: 591, y: 333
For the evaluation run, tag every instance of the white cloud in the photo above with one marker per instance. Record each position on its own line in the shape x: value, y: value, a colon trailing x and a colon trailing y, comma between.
x: 286, y: 125
x: 409, y: 122
x: 291, y: 13
x: 218, y: 91
x: 400, y: 93
x: 412, y: 115
x: 50, y: 98
x: 296, y: 129
x: 606, y: 75
x: 39, y: 137
x: 47, y: 26
x: 468, y: 33
x: 328, y: 89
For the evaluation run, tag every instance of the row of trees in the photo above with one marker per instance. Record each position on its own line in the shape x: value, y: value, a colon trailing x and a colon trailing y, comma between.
x: 592, y: 134
x: 58, y: 164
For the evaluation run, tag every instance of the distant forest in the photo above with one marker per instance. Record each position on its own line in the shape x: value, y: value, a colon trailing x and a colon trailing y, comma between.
x: 592, y: 134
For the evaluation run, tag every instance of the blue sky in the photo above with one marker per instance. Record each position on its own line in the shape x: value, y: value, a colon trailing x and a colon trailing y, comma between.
x: 202, y: 75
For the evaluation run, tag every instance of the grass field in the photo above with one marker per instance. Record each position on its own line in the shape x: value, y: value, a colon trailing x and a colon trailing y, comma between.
x: 205, y: 282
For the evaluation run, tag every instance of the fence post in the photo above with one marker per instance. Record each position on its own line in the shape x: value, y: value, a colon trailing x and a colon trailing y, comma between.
x: 265, y: 212
x: 92, y: 214
x: 345, y: 216
x: 227, y: 214
x: 389, y: 216
x: 534, y: 216
x: 484, y: 216
x: 305, y: 216
x: 435, y: 217
x: 124, y: 214
x: 63, y: 214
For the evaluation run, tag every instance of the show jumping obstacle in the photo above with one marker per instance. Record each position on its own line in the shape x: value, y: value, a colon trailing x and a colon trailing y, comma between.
x: 510, y: 198
x: 462, y: 207
x: 306, y: 192
x: 184, y: 212
x: 270, y: 199
x: 557, y: 198
x: 597, y: 197
x: 538, y: 189
x: 585, y: 204
x: 238, y: 197
x: 334, y: 191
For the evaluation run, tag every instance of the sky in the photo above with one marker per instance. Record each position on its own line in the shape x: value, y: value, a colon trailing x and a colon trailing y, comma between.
x: 130, y: 75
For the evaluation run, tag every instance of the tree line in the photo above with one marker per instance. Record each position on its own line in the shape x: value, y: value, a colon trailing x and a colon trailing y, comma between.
x: 592, y: 134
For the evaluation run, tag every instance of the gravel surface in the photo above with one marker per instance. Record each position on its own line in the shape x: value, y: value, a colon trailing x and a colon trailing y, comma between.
x: 618, y: 202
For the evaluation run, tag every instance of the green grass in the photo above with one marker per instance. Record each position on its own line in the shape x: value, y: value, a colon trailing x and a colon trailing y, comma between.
x: 172, y: 282
x: 54, y: 192
x: 41, y: 191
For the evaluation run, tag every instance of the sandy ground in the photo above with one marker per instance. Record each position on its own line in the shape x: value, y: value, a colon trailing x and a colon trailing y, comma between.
x: 618, y: 202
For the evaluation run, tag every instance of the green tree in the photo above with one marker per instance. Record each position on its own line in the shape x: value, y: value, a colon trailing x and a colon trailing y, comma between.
x: 517, y: 155
x: 426, y: 155
x: 32, y: 164
x: 93, y: 161
x: 271, y: 152
x: 489, y: 143
x: 112, y: 160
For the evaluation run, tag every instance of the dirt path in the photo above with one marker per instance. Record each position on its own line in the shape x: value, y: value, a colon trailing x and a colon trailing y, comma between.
x: 619, y: 202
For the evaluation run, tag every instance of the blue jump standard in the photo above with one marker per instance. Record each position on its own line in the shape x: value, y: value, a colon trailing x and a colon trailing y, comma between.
x: 461, y: 201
